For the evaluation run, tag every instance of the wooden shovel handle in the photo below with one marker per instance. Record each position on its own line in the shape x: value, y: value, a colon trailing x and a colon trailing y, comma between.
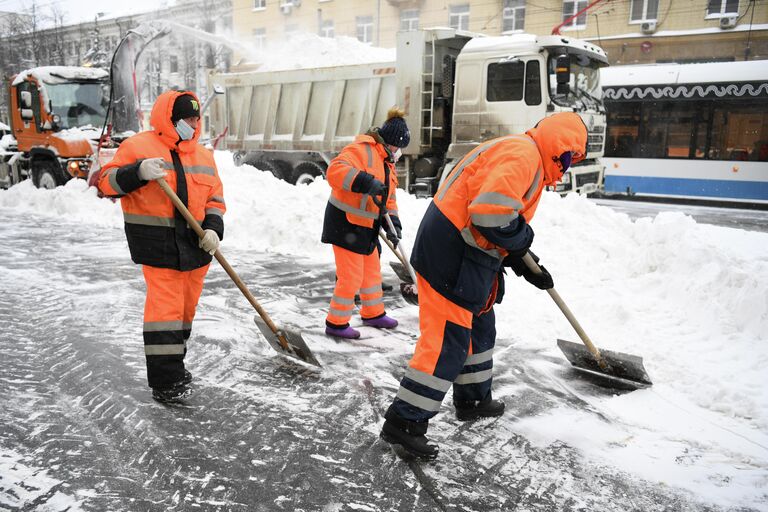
x: 534, y: 267
x: 402, y: 256
x: 224, y: 263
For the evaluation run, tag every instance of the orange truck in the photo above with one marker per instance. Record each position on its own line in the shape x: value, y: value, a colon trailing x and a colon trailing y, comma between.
x: 56, y: 116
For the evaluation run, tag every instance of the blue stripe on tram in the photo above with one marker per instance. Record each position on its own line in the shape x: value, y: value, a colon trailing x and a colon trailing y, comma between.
x: 756, y: 190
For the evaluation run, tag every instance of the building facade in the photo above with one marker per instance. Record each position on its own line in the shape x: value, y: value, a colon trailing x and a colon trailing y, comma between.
x: 177, y: 61
x: 631, y: 31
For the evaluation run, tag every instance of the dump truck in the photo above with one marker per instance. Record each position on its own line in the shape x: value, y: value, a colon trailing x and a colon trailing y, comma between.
x: 56, y: 115
x: 457, y: 88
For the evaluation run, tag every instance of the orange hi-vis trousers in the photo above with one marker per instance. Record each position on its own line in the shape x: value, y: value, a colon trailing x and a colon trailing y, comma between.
x: 455, y: 349
x: 169, y: 309
x: 355, y: 272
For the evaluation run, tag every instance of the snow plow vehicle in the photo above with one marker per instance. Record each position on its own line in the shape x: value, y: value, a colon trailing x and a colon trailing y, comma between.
x: 458, y: 89
x: 56, y: 114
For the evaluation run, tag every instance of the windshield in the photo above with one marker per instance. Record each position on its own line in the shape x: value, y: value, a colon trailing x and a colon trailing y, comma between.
x: 585, y: 93
x: 79, y: 104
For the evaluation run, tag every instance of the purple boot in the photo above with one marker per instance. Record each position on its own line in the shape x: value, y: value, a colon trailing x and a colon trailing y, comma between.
x: 342, y: 332
x: 381, y: 322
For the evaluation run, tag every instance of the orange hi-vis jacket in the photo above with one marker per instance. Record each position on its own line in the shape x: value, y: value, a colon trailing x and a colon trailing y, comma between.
x: 352, y: 219
x: 490, y: 187
x: 157, y: 234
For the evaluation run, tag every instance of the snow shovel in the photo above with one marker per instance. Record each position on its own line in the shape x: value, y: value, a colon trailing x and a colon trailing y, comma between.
x: 285, y: 341
x: 623, y: 369
x: 408, y: 286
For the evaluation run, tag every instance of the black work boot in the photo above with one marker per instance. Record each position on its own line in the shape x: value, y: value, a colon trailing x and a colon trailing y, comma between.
x: 409, y: 435
x: 172, y: 395
x: 475, y: 409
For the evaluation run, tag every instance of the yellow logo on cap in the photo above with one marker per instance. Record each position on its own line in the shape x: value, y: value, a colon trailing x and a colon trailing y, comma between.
x: 195, y: 105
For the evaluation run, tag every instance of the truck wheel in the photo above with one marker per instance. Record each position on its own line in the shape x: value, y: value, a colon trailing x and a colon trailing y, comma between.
x: 306, y: 173
x: 284, y: 169
x: 45, y: 174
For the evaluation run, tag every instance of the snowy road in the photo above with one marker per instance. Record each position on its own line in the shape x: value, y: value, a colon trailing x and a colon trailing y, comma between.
x: 79, y: 431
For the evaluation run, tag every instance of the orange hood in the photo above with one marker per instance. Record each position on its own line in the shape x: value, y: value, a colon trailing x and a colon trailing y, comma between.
x: 160, y: 119
x: 556, y: 134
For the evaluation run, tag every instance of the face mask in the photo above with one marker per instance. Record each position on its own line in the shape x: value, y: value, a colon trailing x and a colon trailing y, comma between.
x: 396, y: 155
x: 185, y: 131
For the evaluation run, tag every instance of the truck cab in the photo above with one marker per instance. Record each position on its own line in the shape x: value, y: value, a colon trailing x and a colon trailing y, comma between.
x: 56, y: 115
x: 479, y: 88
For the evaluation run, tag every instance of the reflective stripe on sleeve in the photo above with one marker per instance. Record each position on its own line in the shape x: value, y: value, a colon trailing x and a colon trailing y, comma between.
x: 466, y: 234
x: 214, y: 211
x: 497, y: 199
x: 493, y: 220
x: 369, y: 150
x: 217, y: 199
x: 348, y: 179
x: 112, y: 173
x: 351, y: 209
x: 534, y: 185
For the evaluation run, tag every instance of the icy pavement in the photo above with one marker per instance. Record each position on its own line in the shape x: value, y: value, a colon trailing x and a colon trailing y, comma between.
x: 79, y: 431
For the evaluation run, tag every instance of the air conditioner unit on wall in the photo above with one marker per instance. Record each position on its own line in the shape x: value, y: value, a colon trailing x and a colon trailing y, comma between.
x: 728, y: 21
x: 648, y: 27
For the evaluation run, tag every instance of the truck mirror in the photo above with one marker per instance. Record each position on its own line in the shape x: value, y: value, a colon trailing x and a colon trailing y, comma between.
x: 218, y: 89
x: 26, y: 99
x: 563, y: 74
x: 27, y: 114
x: 56, y: 122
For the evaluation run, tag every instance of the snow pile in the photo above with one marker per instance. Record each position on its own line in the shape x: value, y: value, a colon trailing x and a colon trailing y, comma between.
x: 691, y: 299
x: 60, y: 74
x: 87, y: 132
x: 21, y: 484
x: 7, y: 141
x: 305, y: 51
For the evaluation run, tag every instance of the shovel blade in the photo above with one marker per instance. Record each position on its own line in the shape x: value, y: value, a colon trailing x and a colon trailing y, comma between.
x: 401, y: 272
x: 624, y: 370
x: 297, y: 347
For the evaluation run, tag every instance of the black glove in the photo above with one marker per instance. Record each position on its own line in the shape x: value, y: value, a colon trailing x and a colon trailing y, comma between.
x: 397, y: 235
x: 541, y: 281
x: 377, y: 192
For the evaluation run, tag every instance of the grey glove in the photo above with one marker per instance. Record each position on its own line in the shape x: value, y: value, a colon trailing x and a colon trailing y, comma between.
x: 210, y: 241
x: 152, y: 169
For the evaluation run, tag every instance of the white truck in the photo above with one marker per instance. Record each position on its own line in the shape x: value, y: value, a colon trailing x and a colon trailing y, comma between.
x: 458, y: 89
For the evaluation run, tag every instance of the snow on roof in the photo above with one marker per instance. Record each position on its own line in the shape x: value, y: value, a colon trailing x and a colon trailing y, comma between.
x: 528, y: 43
x: 745, y: 27
x: 709, y: 72
x: 60, y: 74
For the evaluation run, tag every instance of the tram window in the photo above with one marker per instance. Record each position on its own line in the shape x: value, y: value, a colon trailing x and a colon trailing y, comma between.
x: 623, y: 124
x: 740, y: 131
x: 505, y: 81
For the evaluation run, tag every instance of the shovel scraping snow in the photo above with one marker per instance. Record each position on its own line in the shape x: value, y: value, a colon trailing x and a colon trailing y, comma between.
x: 403, y: 269
x: 285, y: 341
x: 624, y: 371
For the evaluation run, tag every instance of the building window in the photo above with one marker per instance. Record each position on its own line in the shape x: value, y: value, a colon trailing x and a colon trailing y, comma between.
x: 326, y: 29
x: 458, y: 16
x: 259, y: 38
x: 717, y: 8
x: 364, y: 28
x: 409, y: 19
x: 174, y: 64
x: 513, y: 15
x: 643, y: 10
x: 572, y: 7
x: 259, y: 5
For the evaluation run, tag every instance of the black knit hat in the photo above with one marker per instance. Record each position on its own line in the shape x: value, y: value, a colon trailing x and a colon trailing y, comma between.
x: 185, y: 106
x: 394, y: 131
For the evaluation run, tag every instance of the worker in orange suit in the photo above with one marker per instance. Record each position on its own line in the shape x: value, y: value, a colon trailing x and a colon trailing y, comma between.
x: 175, y: 260
x: 363, y: 183
x: 477, y: 224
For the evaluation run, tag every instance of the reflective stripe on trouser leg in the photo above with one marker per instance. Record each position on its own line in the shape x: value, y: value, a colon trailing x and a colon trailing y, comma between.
x: 438, y: 358
x: 474, y: 381
x: 163, y: 326
x: 371, y: 294
x: 193, y: 288
x: 349, y: 277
